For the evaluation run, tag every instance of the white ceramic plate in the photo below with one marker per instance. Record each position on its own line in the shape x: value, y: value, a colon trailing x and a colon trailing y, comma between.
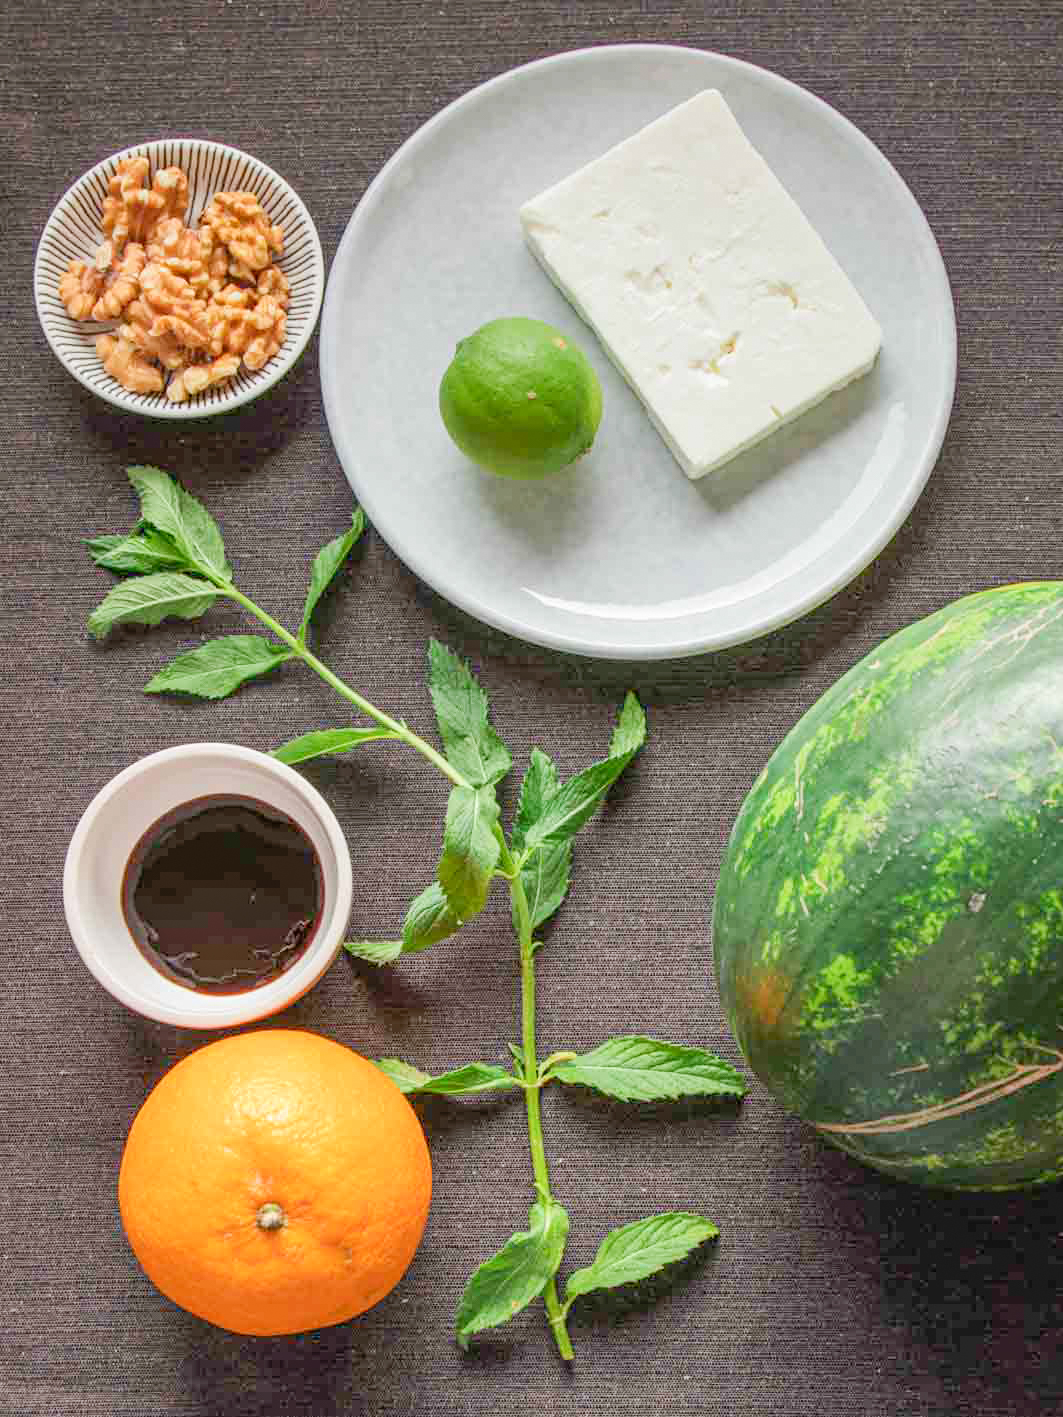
x: 621, y: 556
x: 73, y: 233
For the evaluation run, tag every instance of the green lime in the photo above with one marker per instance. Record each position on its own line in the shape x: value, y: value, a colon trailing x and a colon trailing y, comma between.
x: 520, y: 399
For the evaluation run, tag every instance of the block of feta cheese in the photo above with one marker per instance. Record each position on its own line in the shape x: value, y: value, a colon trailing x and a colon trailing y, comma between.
x: 704, y: 281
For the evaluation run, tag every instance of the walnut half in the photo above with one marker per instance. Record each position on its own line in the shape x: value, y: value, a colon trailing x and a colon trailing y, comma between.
x: 241, y: 225
x: 120, y: 281
x: 80, y: 286
x: 131, y: 208
x: 248, y: 324
x: 197, y: 377
x: 129, y: 365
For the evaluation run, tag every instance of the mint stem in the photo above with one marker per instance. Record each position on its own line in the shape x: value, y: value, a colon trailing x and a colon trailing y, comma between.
x: 532, y: 1091
x: 400, y: 730
x: 510, y: 868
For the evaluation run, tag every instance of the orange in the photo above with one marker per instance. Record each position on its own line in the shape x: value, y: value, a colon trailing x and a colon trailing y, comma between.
x: 275, y: 1182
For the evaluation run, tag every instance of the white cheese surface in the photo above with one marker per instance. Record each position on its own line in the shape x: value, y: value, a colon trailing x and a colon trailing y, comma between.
x: 704, y: 281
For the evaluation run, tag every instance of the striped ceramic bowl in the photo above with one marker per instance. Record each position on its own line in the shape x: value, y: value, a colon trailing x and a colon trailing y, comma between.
x: 73, y: 233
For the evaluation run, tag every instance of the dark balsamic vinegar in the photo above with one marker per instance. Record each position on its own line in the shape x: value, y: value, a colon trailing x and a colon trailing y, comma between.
x: 223, y: 894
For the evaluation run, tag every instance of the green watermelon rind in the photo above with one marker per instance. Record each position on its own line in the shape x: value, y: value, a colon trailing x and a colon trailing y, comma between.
x: 888, y: 921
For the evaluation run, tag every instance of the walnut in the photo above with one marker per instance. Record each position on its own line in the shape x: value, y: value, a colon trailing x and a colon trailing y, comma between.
x: 120, y: 284
x: 196, y: 377
x: 246, y: 323
x: 80, y: 286
x: 215, y: 258
x: 124, y: 362
x: 235, y: 297
x: 241, y: 271
x: 175, y: 306
x: 273, y: 281
x: 172, y: 185
x: 165, y: 289
x: 195, y: 255
x: 129, y: 178
x: 242, y: 226
x: 226, y: 315
x: 188, y: 328
x: 167, y: 330
x: 172, y: 240
x: 270, y: 323
x: 139, y: 331
x: 131, y: 208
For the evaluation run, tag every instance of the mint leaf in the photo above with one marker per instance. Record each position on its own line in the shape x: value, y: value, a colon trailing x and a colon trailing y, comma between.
x: 374, y: 951
x: 327, y: 563
x: 550, y: 1220
x: 513, y: 1277
x: 633, y: 1252
x: 165, y: 505
x: 470, y: 849
x: 146, y: 600
x: 428, y: 920
x: 219, y: 667
x: 458, y: 1082
x: 470, y: 743
x: 404, y: 1075
x: 539, y: 785
x: 328, y: 741
x: 140, y: 553
x: 545, y: 876
x: 103, y: 545
x: 562, y: 813
x: 630, y: 731
x: 636, y: 1069
x: 472, y: 1078
x: 575, y: 803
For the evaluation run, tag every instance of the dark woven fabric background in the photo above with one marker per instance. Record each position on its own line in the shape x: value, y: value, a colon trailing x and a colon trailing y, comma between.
x: 831, y: 1292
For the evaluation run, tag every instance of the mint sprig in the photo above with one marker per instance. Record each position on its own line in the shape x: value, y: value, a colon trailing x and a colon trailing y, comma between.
x: 175, y: 565
x: 374, y: 951
x: 564, y: 812
x: 429, y: 919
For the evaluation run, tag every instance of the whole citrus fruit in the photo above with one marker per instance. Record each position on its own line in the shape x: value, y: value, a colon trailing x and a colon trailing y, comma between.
x: 275, y: 1182
x: 520, y: 399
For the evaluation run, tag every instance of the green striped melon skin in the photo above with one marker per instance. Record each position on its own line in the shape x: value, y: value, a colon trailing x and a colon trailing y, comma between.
x: 888, y: 922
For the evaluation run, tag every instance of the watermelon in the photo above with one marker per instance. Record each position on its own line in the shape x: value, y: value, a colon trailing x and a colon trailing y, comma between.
x: 888, y: 921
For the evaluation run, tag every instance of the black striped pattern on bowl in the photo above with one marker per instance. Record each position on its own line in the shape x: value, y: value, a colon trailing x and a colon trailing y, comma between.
x: 73, y: 233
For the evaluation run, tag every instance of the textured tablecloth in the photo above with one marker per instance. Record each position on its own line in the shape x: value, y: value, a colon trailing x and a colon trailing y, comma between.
x: 831, y: 1292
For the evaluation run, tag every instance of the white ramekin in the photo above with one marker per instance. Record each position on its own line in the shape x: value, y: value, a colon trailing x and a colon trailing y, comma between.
x: 116, y: 819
